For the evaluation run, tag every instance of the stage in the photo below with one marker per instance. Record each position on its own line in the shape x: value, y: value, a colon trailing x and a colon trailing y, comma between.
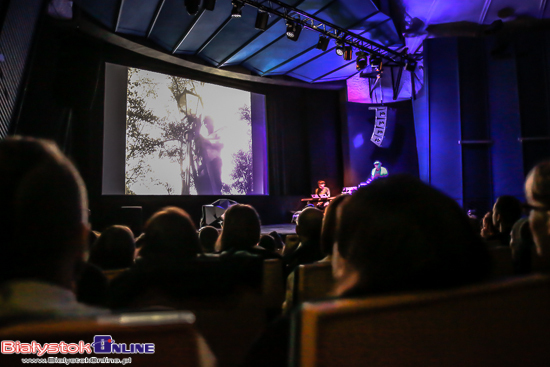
x: 282, y: 229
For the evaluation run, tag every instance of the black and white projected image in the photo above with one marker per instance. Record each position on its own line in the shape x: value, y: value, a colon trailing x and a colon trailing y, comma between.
x: 185, y: 137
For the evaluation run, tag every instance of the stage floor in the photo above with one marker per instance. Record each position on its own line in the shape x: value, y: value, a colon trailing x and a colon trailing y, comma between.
x: 282, y: 229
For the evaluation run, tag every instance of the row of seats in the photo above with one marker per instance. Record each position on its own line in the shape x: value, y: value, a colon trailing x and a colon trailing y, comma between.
x: 469, y: 326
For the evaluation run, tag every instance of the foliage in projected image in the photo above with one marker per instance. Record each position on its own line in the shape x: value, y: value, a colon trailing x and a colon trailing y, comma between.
x: 186, y: 137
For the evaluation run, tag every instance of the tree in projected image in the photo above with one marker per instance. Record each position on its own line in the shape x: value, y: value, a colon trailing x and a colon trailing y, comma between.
x: 242, y: 172
x: 189, y: 133
x: 179, y: 138
x: 139, y: 144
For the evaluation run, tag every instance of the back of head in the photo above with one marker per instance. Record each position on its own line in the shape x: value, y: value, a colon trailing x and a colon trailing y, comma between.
x: 208, y: 236
x: 43, y: 209
x: 328, y: 229
x: 309, y: 223
x: 539, y: 178
x: 267, y: 242
x: 509, y: 210
x: 170, y: 232
x: 114, y: 249
x: 241, y: 228
x: 401, y: 234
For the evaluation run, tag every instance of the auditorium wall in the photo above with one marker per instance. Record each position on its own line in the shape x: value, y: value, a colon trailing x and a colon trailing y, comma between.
x: 482, y: 119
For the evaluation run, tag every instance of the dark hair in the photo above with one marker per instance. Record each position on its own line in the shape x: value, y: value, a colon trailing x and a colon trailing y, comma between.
x: 509, y: 209
x: 310, y: 222
x: 401, y: 234
x: 328, y: 229
x: 114, y: 249
x: 268, y: 242
x: 170, y: 232
x: 44, y: 207
x: 241, y: 228
x: 208, y: 236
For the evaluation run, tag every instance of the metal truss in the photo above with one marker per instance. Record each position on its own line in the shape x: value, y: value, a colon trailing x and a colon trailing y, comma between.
x: 330, y: 30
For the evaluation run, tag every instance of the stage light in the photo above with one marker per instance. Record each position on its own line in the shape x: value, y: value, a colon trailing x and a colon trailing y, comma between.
x: 410, y: 65
x: 192, y: 6
x: 375, y: 61
x: 361, y: 61
x: 339, y: 48
x: 261, y: 20
x: 348, y: 53
x: 323, y: 43
x: 209, y: 4
x: 237, y: 10
x: 293, y: 30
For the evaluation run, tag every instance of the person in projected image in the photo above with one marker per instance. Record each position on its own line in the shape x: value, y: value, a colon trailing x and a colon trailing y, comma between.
x: 210, y: 171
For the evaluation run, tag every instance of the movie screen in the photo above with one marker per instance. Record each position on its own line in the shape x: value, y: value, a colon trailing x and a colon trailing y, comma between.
x: 186, y: 137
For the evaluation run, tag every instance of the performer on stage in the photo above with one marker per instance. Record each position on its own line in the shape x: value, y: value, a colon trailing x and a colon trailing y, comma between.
x: 322, y: 190
x: 378, y: 171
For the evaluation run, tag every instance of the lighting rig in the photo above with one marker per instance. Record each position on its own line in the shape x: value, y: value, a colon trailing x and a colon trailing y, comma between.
x: 346, y: 41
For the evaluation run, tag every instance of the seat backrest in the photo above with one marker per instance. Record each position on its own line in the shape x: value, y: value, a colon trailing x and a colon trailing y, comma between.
x: 313, y: 281
x: 502, y: 264
x: 172, y: 333
x: 273, y: 284
x: 505, y: 323
x: 112, y: 274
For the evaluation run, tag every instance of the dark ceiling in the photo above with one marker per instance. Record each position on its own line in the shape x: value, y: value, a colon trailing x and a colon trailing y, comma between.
x: 224, y: 41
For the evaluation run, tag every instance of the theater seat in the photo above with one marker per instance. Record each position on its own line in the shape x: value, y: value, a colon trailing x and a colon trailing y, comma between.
x: 112, y: 274
x: 174, y: 337
x: 308, y: 282
x: 273, y: 284
x: 504, y: 323
x: 501, y: 258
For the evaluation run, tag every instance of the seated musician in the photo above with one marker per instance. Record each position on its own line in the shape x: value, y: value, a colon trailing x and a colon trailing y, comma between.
x: 378, y: 171
x: 322, y: 190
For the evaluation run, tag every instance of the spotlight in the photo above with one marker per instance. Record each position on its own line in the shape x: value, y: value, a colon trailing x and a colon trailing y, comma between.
x: 375, y: 61
x: 410, y: 65
x: 323, y: 43
x: 192, y: 6
x: 209, y: 4
x: 261, y: 20
x: 361, y: 60
x: 348, y: 53
x: 339, y: 48
x: 293, y: 30
x: 237, y: 10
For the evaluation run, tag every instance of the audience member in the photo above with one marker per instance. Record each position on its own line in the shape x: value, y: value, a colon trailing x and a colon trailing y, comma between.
x: 170, y: 235
x: 208, y: 235
x: 241, y: 233
x: 537, y: 192
x: 400, y: 234
x: 91, y: 287
x: 521, y: 244
x: 41, y: 193
x: 308, y: 229
x: 267, y: 242
x: 328, y: 228
x: 487, y: 228
x: 506, y: 212
x: 114, y: 249
x: 394, y: 235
